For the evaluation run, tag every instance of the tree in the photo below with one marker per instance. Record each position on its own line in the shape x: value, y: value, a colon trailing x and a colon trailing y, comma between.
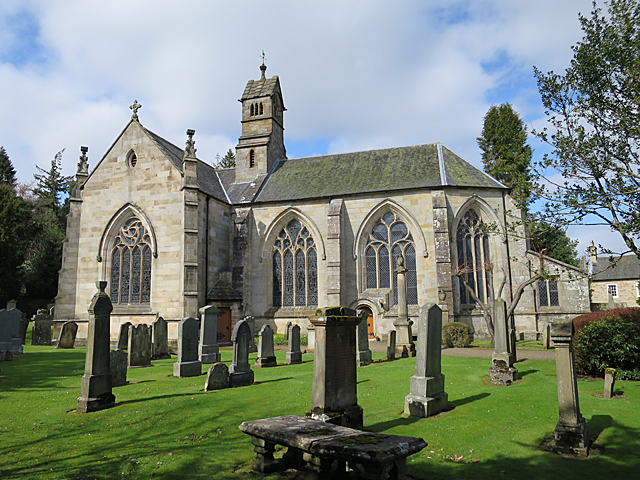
x: 228, y: 161
x: 51, y: 185
x: 594, y: 113
x: 553, y: 240
x: 505, y: 153
x: 7, y: 172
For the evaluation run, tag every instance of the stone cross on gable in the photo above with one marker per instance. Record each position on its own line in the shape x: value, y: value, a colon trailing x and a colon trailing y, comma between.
x: 134, y: 108
x: 263, y: 57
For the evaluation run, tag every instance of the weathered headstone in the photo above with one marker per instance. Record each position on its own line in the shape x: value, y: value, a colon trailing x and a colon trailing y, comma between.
x: 427, y: 396
x: 287, y: 329
x: 188, y: 364
x: 11, y: 304
x: 95, y: 390
x: 311, y: 338
x: 118, y: 367
x: 24, y: 326
x: 546, y: 339
x: 159, y: 340
x: 251, y: 321
x: 404, y: 337
x: 502, y: 371
x: 240, y: 373
x: 217, y: 377
x: 139, y: 348
x: 10, y: 330
x: 335, y: 390
x: 391, y: 346
x: 41, y: 333
x: 571, y: 430
x: 68, y: 335
x: 123, y: 337
x: 208, y: 349
x: 363, y: 354
x: 266, y: 355
x: 511, y: 345
x: 609, y: 382
x: 294, y: 355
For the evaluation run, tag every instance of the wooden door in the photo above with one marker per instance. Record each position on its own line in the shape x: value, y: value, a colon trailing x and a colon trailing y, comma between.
x: 370, y: 332
x: 224, y: 325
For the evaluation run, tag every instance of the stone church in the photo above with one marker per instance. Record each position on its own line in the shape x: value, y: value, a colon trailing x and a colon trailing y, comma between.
x: 276, y: 238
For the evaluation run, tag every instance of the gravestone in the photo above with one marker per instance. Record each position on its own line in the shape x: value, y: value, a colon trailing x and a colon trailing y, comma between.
x: 404, y: 337
x: 391, y: 346
x: 251, y: 321
x: 118, y: 367
x: 41, y: 333
x: 266, y: 355
x: 159, y: 340
x: 571, y: 430
x: 363, y: 355
x: 217, y: 377
x: 188, y: 364
x: 10, y: 331
x: 68, y: 335
x: 139, y: 348
x: 335, y: 390
x: 294, y: 355
x: 123, y: 338
x: 609, y: 382
x: 546, y: 340
x: 95, y: 390
x: 427, y: 396
x: 24, y: 326
x: 208, y: 349
x: 240, y: 373
x: 287, y: 331
x: 502, y: 371
x: 311, y: 338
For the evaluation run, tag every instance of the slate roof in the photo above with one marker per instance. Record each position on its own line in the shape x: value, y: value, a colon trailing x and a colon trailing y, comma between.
x: 402, y: 168
x: 260, y: 88
x: 626, y: 267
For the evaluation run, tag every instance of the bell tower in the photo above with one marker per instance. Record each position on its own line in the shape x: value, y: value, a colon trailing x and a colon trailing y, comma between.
x: 262, y: 140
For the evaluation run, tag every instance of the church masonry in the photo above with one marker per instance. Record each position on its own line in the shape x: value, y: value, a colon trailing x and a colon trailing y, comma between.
x: 276, y: 238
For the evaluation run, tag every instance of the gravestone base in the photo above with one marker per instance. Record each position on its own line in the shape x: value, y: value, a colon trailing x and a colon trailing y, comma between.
x: 501, y: 373
x: 364, y: 357
x: 351, y: 417
x: 241, y: 379
x: 572, y: 439
x: 263, y: 362
x: 405, y: 351
x: 187, y: 369
x: 209, y: 354
x: 293, y: 358
x: 423, y: 407
x: 93, y: 383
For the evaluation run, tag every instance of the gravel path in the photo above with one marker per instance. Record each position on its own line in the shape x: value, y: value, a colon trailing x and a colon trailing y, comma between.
x: 381, y: 347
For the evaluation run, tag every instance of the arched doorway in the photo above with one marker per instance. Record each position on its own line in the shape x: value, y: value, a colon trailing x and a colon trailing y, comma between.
x: 370, y: 331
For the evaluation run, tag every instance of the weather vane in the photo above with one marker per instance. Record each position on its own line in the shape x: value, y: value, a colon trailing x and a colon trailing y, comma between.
x: 135, y: 107
x: 263, y: 57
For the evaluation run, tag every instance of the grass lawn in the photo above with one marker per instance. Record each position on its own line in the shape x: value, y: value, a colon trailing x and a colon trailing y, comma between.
x: 166, y: 427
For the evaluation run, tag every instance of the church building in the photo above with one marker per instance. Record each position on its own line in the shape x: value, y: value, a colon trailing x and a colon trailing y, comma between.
x: 276, y: 238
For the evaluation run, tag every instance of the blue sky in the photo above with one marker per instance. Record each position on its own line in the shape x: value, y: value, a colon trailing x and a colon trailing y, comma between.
x: 355, y: 74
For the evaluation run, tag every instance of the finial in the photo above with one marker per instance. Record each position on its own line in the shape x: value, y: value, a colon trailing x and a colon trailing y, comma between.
x: 400, y: 261
x: 135, y: 107
x: 190, y: 149
x: 83, y: 165
x: 101, y: 285
x: 263, y: 67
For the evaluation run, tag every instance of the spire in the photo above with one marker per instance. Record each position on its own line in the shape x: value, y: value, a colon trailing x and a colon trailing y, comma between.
x: 190, y: 149
x: 134, y: 108
x: 263, y: 67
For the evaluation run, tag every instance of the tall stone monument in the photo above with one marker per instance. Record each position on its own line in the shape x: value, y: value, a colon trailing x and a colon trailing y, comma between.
x: 188, y: 364
x: 95, y: 390
x: 404, y: 337
x: 335, y: 390
x: 266, y: 355
x: 159, y: 340
x: 427, y: 396
x: 502, y: 371
x: 208, y: 350
x: 139, y: 348
x: 571, y: 430
x: 363, y: 355
x: 240, y: 373
x: 294, y: 355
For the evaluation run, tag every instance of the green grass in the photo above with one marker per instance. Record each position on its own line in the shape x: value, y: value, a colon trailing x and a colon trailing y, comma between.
x: 520, y: 345
x: 166, y: 427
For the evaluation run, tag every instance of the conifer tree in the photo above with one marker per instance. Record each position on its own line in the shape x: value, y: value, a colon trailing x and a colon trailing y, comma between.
x: 7, y: 172
x: 228, y: 161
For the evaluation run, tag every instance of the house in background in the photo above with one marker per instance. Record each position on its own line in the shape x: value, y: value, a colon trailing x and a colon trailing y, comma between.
x: 614, y: 282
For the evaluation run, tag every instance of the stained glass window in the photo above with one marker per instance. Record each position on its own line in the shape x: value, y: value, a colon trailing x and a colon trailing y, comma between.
x: 473, y: 257
x: 131, y: 265
x: 295, y: 267
x: 548, y: 293
x: 391, y: 234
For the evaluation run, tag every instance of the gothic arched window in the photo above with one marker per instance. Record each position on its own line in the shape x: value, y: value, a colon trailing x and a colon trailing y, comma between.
x: 473, y: 257
x: 388, y: 238
x: 131, y: 265
x: 295, y: 267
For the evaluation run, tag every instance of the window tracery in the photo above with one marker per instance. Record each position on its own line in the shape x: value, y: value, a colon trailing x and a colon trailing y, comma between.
x: 295, y: 269
x: 388, y: 238
x: 473, y: 257
x: 131, y: 265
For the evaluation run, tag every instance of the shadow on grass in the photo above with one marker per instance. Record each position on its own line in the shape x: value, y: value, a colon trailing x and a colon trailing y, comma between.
x: 158, y: 397
x: 469, y: 399
x: 524, y: 373
x: 384, y: 426
x: 598, y: 424
x: 36, y: 370
x: 272, y: 380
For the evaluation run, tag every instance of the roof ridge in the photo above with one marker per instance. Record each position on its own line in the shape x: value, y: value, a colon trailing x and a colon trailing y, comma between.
x: 361, y: 151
